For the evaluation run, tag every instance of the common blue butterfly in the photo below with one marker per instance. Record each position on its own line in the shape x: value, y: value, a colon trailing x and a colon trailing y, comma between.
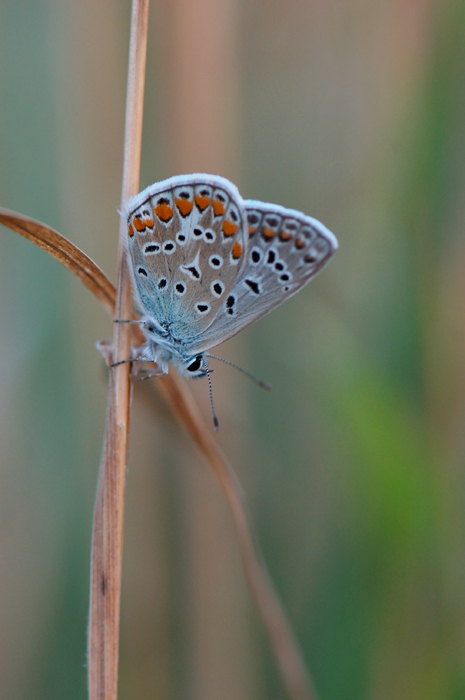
x: 205, y: 264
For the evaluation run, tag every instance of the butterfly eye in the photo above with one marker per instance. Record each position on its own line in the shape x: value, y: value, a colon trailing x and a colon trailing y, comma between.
x: 195, y: 365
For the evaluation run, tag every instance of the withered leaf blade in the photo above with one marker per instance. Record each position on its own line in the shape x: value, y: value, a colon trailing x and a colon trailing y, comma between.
x: 65, y: 252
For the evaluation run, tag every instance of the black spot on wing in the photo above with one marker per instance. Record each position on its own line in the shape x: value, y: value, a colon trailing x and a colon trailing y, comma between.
x: 194, y: 272
x: 253, y: 286
x: 271, y: 257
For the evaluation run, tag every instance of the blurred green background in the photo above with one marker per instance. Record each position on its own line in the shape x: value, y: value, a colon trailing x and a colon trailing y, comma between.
x: 353, y: 112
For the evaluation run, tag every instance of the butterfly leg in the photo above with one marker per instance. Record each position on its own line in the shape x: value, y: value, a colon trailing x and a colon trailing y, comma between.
x: 161, y: 373
x: 131, y: 359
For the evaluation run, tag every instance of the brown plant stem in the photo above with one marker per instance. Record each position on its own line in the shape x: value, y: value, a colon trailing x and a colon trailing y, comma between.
x: 107, y: 536
x: 289, y: 658
x: 174, y: 389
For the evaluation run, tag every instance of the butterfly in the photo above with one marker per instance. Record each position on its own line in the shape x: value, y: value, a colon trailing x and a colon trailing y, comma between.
x: 206, y: 263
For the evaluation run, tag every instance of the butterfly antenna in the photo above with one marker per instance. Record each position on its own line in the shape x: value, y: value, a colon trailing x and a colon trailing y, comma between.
x: 257, y: 381
x: 215, y: 417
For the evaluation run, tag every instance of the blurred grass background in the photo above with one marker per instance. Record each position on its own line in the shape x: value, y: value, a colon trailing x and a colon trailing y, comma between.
x: 353, y: 466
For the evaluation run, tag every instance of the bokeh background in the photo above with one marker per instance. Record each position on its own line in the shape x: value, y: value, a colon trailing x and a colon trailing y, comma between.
x: 353, y: 467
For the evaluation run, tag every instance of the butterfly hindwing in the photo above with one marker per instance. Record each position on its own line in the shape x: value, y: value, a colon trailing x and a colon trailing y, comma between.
x: 285, y: 250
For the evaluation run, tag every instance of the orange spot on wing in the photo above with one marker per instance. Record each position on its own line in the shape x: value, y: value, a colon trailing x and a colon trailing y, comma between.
x: 229, y: 229
x: 252, y: 230
x: 285, y: 236
x: 163, y: 211
x: 149, y: 223
x: 218, y: 207
x: 202, y: 202
x: 236, y: 250
x: 130, y: 231
x: 138, y: 224
x: 184, y: 206
x: 300, y: 243
x: 268, y: 232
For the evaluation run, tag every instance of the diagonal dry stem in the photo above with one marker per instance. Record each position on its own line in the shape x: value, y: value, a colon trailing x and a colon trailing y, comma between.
x: 284, y: 644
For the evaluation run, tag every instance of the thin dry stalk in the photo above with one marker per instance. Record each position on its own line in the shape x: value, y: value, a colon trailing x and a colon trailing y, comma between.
x: 107, y: 537
x: 285, y: 647
x: 289, y: 658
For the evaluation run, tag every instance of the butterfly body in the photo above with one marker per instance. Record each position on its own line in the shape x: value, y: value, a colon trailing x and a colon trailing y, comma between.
x: 205, y: 264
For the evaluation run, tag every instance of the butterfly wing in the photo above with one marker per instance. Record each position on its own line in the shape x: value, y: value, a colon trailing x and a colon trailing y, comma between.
x: 187, y: 245
x: 285, y: 250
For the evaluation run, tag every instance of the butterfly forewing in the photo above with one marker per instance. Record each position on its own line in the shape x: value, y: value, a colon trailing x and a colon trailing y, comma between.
x: 285, y: 250
x: 187, y: 243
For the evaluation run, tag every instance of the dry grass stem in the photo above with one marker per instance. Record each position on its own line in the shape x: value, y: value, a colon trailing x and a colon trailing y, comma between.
x: 107, y: 537
x: 285, y: 647
x: 283, y: 642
